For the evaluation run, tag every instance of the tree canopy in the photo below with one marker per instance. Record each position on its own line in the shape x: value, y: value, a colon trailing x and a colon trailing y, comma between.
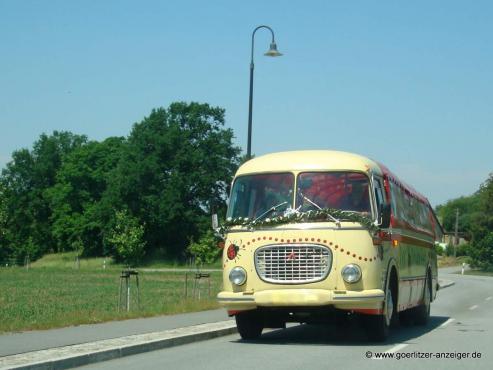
x: 164, y: 180
x: 174, y: 173
x: 475, y: 221
x: 4, y: 248
x: 469, y: 209
x: 79, y: 213
x: 481, y: 252
x: 24, y: 184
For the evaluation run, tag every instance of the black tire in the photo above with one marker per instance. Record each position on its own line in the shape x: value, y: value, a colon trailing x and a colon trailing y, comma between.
x: 378, y: 326
x: 249, y: 324
x: 406, y: 318
x: 421, y: 314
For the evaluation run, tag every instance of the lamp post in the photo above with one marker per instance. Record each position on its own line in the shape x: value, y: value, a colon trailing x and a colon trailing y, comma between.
x: 272, y: 52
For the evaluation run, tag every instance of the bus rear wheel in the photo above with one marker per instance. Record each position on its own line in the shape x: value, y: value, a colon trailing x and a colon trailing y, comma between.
x: 249, y: 324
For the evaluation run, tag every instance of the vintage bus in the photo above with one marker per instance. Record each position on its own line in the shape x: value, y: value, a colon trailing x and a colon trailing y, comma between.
x: 312, y: 236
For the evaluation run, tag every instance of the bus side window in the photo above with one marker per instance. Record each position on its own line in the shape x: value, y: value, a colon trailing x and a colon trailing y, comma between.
x: 379, y: 198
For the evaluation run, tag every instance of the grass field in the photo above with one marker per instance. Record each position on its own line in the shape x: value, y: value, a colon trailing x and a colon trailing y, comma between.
x: 446, y: 261
x: 67, y: 260
x: 54, y: 294
x: 478, y: 272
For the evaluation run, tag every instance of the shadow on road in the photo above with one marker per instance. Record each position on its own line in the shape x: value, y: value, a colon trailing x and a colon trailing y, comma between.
x: 347, y: 333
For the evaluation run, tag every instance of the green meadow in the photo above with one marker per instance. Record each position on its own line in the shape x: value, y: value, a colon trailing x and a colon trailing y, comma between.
x: 54, y: 293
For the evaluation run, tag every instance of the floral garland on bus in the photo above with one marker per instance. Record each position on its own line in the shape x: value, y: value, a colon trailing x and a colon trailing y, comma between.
x: 325, y: 214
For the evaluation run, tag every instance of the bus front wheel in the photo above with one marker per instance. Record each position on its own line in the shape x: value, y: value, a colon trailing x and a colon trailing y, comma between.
x: 249, y: 324
x: 422, y: 312
x: 378, y: 326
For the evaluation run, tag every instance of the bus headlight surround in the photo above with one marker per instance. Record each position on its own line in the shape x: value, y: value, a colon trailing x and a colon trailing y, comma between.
x: 238, y: 275
x: 351, y: 273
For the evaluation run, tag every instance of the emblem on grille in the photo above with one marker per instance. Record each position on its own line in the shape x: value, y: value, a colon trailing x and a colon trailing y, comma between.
x: 291, y: 257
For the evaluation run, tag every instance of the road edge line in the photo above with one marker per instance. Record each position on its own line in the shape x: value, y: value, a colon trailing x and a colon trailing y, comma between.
x: 445, y: 284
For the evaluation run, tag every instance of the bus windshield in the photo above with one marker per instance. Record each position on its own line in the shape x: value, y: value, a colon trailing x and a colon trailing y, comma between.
x: 347, y: 191
x: 255, y: 196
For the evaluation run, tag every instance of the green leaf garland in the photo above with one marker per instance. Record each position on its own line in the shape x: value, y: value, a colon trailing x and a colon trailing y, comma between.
x: 300, y: 217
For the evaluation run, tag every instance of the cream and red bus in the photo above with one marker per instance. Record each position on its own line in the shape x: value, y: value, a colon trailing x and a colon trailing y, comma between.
x: 313, y: 235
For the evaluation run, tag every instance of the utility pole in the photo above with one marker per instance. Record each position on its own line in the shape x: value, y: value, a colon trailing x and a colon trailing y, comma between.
x: 456, y: 242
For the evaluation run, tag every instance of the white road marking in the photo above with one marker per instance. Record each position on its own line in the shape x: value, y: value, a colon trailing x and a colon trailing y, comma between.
x: 473, y: 307
x: 394, y: 349
x: 489, y: 298
x: 397, y: 348
x: 447, y: 322
x: 400, y: 346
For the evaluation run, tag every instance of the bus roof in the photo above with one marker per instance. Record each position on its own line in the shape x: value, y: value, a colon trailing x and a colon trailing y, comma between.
x: 308, y: 160
x: 325, y: 160
x: 389, y: 174
x: 320, y: 160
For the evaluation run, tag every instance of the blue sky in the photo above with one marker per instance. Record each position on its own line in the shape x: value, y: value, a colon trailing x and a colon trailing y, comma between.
x: 407, y: 83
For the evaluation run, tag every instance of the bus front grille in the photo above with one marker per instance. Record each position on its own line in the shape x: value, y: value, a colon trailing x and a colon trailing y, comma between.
x: 293, y: 263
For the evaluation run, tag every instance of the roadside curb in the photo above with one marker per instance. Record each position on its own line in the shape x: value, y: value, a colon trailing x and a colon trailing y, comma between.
x: 103, y: 350
x: 445, y: 284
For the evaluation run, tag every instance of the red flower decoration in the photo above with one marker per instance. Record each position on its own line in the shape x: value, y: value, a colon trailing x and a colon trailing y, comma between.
x: 232, y: 251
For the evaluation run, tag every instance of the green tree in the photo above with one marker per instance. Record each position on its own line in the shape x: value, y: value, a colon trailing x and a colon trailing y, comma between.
x: 127, y: 238
x: 174, y: 173
x: 481, y: 251
x: 206, y: 250
x: 25, y: 181
x: 80, y: 217
x: 4, y: 247
x: 469, y: 209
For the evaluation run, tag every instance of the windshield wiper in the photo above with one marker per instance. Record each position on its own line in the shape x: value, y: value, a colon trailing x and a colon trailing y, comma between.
x: 338, y: 223
x: 310, y: 201
x: 272, y: 209
x: 304, y: 197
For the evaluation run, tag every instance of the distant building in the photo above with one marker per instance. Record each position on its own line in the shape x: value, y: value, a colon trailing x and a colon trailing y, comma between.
x: 449, y: 238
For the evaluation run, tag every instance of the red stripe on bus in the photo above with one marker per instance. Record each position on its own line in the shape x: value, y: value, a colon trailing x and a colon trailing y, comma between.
x: 369, y: 311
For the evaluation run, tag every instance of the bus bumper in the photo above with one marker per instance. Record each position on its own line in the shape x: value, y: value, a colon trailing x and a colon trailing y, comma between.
x: 365, y: 301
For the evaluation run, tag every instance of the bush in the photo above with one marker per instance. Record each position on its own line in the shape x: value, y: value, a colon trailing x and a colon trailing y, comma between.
x: 462, y: 250
x: 127, y: 239
x: 481, y: 253
x: 206, y: 250
x: 439, y: 249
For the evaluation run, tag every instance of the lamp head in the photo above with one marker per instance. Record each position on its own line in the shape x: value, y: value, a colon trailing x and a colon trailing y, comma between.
x: 272, y: 52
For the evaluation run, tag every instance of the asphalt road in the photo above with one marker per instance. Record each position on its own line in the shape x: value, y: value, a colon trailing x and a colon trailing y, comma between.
x: 461, y: 324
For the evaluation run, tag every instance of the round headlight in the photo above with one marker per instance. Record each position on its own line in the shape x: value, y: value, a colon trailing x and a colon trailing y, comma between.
x: 238, y: 275
x: 351, y: 273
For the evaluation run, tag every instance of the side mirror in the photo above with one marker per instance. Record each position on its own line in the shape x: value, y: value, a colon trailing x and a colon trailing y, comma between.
x: 384, y: 216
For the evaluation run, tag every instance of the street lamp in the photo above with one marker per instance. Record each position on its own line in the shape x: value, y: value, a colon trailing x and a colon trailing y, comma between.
x: 272, y: 52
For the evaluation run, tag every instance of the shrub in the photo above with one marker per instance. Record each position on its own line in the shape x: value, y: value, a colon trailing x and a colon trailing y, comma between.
x: 206, y: 250
x: 462, y: 250
x: 127, y: 239
x: 439, y: 249
x: 481, y: 253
